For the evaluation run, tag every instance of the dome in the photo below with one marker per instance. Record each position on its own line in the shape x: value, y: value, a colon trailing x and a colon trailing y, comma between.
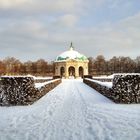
x: 71, y: 54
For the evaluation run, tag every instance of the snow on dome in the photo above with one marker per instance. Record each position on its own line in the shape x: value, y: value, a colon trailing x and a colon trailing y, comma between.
x: 71, y: 54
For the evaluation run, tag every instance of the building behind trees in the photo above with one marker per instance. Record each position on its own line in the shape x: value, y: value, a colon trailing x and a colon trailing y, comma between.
x: 97, y: 66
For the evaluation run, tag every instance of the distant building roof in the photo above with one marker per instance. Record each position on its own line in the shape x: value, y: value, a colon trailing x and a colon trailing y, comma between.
x: 71, y: 54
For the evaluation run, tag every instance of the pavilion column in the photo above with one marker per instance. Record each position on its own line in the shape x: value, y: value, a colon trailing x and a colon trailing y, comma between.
x: 86, y: 69
x: 76, y: 72
x: 67, y: 72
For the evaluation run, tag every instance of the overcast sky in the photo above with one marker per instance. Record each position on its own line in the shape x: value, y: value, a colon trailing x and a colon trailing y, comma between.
x: 34, y: 29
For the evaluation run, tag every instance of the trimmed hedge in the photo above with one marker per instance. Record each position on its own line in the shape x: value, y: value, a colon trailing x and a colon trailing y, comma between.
x: 17, y: 90
x: 21, y: 90
x: 108, y: 92
x: 56, y: 77
x: 126, y: 88
x: 41, y: 80
x: 103, y: 79
x: 46, y: 88
x: 88, y: 76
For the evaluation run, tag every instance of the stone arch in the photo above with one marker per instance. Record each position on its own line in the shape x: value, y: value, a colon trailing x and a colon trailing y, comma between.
x: 71, y: 71
x: 81, y: 72
x: 62, y: 71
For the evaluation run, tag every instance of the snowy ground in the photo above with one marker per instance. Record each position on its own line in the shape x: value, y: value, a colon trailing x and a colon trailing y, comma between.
x: 72, y: 111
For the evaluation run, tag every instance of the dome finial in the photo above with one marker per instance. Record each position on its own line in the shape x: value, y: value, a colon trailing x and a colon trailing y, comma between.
x: 71, y: 47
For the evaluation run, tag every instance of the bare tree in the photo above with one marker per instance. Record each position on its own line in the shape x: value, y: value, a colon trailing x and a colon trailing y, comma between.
x: 100, y: 64
x: 41, y: 66
x: 12, y: 65
x: 2, y: 68
x: 137, y: 64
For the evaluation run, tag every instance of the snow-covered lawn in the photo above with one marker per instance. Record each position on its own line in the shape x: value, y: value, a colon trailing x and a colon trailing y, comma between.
x: 43, y: 78
x: 71, y: 111
x: 39, y: 85
x: 104, y: 76
x: 107, y: 84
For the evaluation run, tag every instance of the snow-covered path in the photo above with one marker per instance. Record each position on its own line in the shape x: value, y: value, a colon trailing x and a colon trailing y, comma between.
x: 72, y: 111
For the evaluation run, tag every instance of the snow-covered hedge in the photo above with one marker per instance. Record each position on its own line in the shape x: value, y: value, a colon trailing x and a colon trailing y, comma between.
x: 42, y: 79
x: 127, y: 88
x: 106, y: 90
x: 103, y: 79
x: 22, y: 90
x: 47, y: 86
x: 17, y: 90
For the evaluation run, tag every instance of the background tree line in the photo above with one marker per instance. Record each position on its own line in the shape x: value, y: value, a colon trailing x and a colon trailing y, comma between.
x: 101, y: 66
x: 97, y: 66
x: 13, y: 66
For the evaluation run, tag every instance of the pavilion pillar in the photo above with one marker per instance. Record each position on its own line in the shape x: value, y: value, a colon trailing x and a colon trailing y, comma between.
x: 76, y: 72
x: 66, y: 73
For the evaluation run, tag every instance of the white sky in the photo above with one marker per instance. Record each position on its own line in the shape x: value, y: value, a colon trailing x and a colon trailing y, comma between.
x: 33, y: 29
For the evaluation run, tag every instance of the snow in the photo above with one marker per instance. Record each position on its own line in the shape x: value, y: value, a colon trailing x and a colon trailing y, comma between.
x: 70, y: 54
x: 107, y: 84
x: 112, y: 76
x: 43, y: 78
x: 71, y: 111
x: 104, y: 77
x: 36, y: 78
x: 39, y: 85
x: 16, y: 76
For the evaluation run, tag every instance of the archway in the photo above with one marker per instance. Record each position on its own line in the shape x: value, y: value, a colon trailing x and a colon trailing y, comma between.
x: 71, y: 72
x: 62, y: 71
x: 81, y: 72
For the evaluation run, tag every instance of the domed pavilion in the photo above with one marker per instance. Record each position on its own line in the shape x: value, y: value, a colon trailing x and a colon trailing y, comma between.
x: 71, y: 64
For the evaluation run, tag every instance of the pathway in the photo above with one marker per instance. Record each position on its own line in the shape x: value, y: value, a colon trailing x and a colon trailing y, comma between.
x: 72, y: 111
